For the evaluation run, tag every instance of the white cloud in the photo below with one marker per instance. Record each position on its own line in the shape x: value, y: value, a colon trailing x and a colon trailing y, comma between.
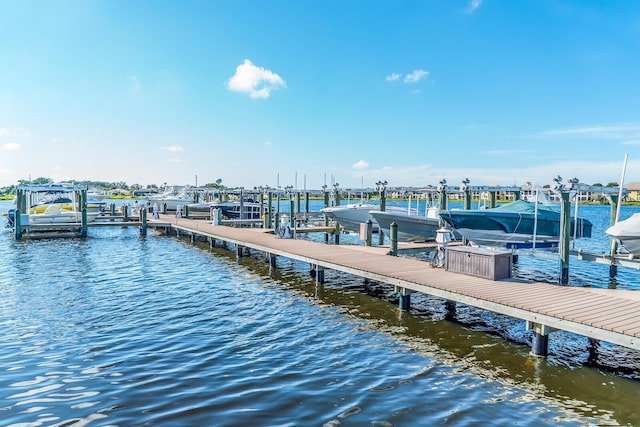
x: 174, y: 160
x: 255, y: 81
x: 6, y: 132
x: 360, y: 165
x: 632, y: 142
x: 11, y: 146
x: 603, y: 131
x: 268, y: 145
x: 473, y: 5
x: 416, y: 76
x: 173, y: 148
x: 392, y: 77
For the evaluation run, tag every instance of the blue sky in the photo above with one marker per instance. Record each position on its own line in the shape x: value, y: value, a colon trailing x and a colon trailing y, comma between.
x: 268, y: 92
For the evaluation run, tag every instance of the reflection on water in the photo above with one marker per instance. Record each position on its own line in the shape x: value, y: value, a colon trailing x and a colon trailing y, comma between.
x: 123, y: 330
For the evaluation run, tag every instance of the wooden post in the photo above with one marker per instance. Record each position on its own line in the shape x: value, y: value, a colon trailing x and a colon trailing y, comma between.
x: 186, y: 211
x: 467, y: 199
x: 565, y: 234
x: 404, y: 299
x: 83, y: 229
x: 164, y: 208
x: 272, y: 261
x: 326, y: 219
x: 292, y: 217
x: 540, y: 344
x: 383, y: 207
x: 17, y: 224
x: 492, y: 199
x: 613, y: 198
x: 143, y: 220
x: 393, y: 237
x: 369, y: 230
x: 443, y: 198
x: 125, y: 212
x: 306, y: 204
x: 112, y: 209
x: 450, y: 307
x: 241, y: 203
x: 319, y: 274
x: 270, y: 210
x: 540, y: 339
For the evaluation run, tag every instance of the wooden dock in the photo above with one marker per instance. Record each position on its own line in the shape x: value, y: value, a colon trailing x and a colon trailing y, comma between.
x: 602, y: 314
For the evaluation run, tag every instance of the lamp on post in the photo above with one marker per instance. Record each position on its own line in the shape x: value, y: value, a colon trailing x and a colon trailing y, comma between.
x: 381, y: 188
x: 442, y: 189
x: 336, y: 194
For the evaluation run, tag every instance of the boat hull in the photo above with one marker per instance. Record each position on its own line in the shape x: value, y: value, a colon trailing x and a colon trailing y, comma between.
x: 352, y: 215
x: 627, y: 234
x: 411, y: 228
x: 513, y: 225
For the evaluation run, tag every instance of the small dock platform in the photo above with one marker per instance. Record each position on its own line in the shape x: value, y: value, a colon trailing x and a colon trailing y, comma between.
x: 601, y: 314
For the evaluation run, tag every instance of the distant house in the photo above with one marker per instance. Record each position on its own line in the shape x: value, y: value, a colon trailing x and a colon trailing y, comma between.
x: 634, y: 191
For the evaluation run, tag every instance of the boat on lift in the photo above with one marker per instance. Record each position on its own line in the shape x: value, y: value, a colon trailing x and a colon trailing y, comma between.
x: 519, y: 224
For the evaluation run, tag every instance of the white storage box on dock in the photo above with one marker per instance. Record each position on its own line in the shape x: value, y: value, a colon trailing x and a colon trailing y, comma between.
x: 480, y: 262
x: 364, y: 229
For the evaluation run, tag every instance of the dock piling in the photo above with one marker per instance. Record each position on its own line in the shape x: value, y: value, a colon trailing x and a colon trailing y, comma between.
x: 83, y: 229
x: 17, y: 224
x: 540, y: 339
x: 143, y: 220
x: 393, y: 237
x: 404, y: 298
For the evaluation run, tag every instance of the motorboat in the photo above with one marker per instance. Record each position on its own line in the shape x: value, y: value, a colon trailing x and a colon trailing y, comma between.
x: 351, y: 215
x: 519, y: 224
x: 411, y: 227
x: 54, y: 214
x: 64, y: 202
x: 247, y: 209
x: 627, y: 233
x: 173, y: 199
x: 55, y: 203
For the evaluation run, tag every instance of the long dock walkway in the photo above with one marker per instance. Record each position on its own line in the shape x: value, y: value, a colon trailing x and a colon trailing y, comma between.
x: 602, y: 314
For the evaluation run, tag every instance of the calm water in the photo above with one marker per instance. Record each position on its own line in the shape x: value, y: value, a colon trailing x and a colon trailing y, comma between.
x: 123, y: 330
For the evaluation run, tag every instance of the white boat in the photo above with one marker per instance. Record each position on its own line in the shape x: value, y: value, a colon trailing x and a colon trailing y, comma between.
x: 411, y: 228
x: 64, y: 201
x: 95, y: 194
x: 627, y: 233
x: 350, y: 216
x: 54, y: 214
x: 173, y: 199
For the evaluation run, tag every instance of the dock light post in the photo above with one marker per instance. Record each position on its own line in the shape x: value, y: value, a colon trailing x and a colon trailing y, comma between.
x: 467, y: 193
x: 241, y: 202
x: 381, y: 188
x: 442, y: 189
x: 564, y: 192
x: 325, y: 193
